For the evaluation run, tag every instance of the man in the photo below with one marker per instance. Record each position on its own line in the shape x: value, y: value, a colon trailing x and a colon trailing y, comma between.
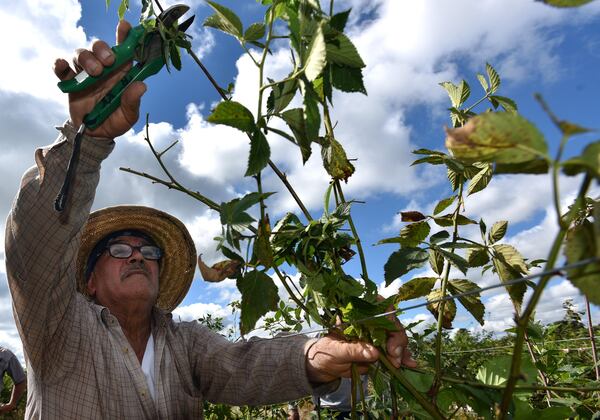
x: 9, y: 364
x: 117, y: 354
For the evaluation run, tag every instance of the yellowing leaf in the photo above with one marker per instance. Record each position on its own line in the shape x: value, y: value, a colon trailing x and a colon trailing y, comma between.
x: 499, y: 137
x: 316, y: 60
x: 335, y: 161
x: 449, y: 308
x: 219, y: 271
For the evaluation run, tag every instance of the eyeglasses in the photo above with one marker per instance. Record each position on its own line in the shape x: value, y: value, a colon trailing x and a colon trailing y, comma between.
x: 121, y: 250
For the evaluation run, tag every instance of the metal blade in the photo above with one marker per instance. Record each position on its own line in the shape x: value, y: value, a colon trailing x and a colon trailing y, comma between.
x: 172, y: 14
x: 183, y: 26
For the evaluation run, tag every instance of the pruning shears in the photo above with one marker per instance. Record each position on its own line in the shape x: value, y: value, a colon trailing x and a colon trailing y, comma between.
x: 144, y: 45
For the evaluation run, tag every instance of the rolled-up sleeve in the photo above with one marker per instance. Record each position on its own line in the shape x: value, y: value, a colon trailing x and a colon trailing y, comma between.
x: 41, y: 244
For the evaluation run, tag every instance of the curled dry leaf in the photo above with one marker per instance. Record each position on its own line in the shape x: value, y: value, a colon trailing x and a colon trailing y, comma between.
x: 219, y: 271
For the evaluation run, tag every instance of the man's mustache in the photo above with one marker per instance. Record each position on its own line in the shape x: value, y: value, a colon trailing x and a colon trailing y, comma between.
x: 133, y: 268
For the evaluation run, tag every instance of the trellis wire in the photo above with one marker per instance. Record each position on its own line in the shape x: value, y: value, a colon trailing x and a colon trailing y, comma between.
x: 536, y: 342
x: 555, y: 271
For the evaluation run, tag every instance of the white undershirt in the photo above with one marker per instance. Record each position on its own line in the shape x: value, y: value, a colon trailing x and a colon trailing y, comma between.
x: 148, y: 365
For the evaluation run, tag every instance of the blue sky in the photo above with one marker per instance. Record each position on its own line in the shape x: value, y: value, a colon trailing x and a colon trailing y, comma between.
x: 409, y: 47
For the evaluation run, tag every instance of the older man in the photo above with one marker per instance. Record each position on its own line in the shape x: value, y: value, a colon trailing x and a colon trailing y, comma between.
x: 93, y: 294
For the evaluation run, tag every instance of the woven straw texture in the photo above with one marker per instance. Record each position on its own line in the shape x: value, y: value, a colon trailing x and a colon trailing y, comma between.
x: 178, y: 263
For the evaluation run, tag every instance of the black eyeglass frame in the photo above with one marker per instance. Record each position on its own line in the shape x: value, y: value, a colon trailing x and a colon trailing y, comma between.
x: 132, y: 248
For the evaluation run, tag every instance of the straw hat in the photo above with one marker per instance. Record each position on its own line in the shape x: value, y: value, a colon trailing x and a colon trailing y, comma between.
x: 178, y: 263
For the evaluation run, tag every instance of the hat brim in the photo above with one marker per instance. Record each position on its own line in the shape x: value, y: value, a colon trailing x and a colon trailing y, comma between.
x: 170, y: 234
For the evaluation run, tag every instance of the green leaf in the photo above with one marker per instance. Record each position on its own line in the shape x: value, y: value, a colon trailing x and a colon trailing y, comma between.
x: 439, y: 236
x: 472, y: 303
x: 224, y: 20
x: 512, y: 257
x: 262, y: 244
x: 447, y: 220
x: 312, y: 117
x: 413, y: 234
x: 233, y: 114
x: 428, y: 152
x: 259, y: 296
x: 443, y: 204
x: 175, y: 55
x: 482, y: 81
x: 317, y: 56
x: 495, y: 371
x: 123, y: 7
x: 433, y: 160
x: 342, y: 51
x: 349, y: 286
x: 295, y: 120
x: 493, y: 77
x: 499, y: 137
x: 535, y: 166
x: 402, y: 261
x: 565, y: 3
x: 581, y: 244
x: 482, y: 228
x: 254, y: 32
x: 458, y: 94
x: 477, y: 257
x: 338, y: 21
x: 449, y: 311
x: 571, y: 129
x: 335, y: 161
x: 510, y: 265
x: 415, y: 288
x: 587, y: 162
x: 347, y: 79
x: 508, y: 104
x: 281, y: 96
x: 456, y: 260
x: 260, y: 153
x: 480, y: 180
x: 436, y: 261
x: 242, y: 204
x: 497, y: 231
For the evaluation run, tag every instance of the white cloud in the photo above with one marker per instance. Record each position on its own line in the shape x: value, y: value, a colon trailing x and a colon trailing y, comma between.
x: 197, y: 310
x: 39, y: 31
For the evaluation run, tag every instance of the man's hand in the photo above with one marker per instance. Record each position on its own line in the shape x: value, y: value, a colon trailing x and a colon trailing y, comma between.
x: 81, y: 103
x: 330, y: 357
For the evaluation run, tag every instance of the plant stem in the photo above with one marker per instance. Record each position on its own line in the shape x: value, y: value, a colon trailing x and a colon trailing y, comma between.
x: 339, y: 192
x: 271, y: 164
x: 438, y: 338
x: 207, y: 74
x: 555, y: 183
x: 289, y: 290
x: 592, y: 338
x: 540, y: 372
x: 283, y: 134
x: 175, y: 186
x: 523, y: 320
x: 361, y: 253
x: 424, y: 402
x: 291, y: 190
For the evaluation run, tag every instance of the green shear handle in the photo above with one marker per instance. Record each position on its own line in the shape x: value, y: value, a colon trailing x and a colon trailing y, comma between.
x: 146, y: 46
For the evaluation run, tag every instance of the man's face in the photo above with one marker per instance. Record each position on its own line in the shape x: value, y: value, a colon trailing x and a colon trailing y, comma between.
x: 124, y: 281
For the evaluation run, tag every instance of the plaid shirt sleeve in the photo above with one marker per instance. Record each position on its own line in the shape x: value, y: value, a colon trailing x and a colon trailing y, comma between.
x: 41, y: 248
